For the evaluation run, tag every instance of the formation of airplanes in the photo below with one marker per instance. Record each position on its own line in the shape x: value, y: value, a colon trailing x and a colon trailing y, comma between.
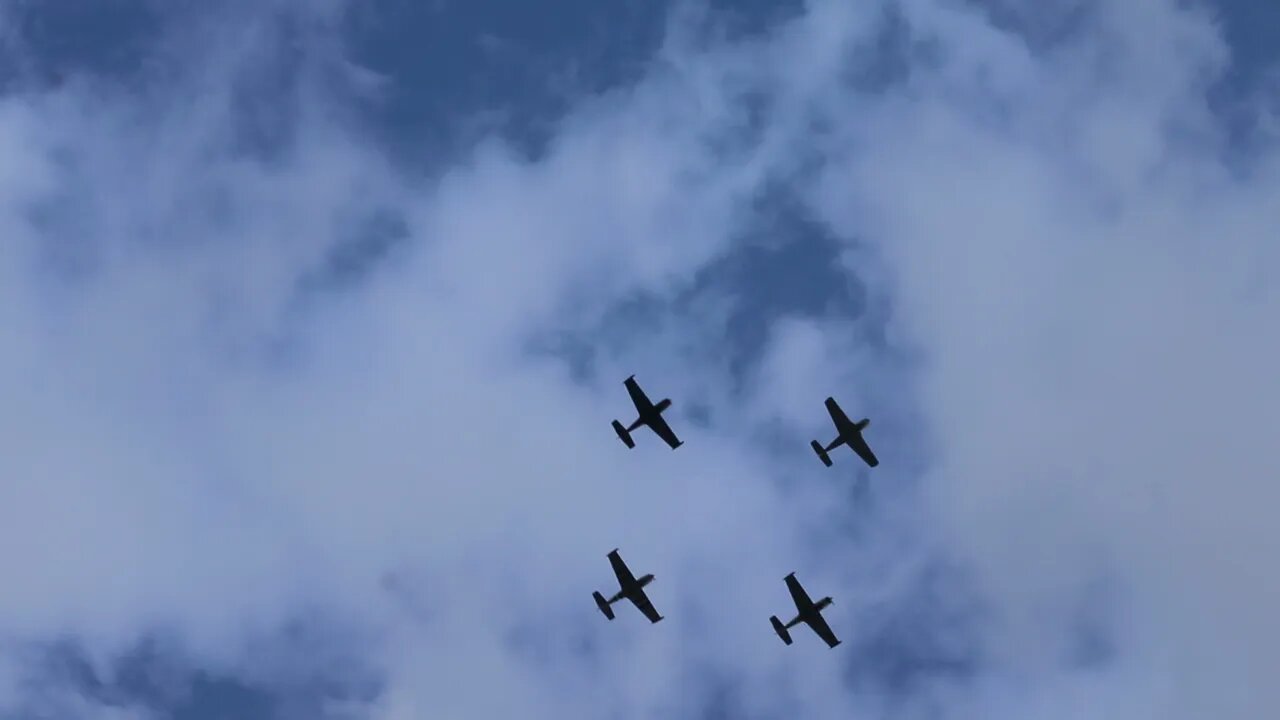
x: 631, y: 588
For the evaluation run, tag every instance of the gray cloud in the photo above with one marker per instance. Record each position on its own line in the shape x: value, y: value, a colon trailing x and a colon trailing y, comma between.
x: 1086, y: 277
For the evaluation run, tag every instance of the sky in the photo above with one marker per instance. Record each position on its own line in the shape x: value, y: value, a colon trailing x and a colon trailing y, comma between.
x: 314, y: 316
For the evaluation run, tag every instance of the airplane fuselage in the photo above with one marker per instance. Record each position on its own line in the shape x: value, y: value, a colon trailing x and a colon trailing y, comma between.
x: 629, y: 589
x: 847, y: 432
x: 810, y: 613
x: 648, y: 415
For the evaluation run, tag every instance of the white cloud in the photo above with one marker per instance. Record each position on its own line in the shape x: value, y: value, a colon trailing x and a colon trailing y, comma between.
x: 192, y: 447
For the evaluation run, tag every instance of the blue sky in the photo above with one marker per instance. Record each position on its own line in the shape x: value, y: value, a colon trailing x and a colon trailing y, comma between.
x: 316, y: 314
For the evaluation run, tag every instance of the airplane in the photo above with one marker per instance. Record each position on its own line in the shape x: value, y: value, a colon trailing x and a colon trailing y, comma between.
x: 632, y: 589
x: 810, y: 613
x: 849, y: 433
x: 650, y: 415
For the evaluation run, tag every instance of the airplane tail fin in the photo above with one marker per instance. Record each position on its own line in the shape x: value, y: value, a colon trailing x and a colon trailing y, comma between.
x: 623, y: 435
x: 822, y: 454
x: 781, y: 629
x: 603, y: 605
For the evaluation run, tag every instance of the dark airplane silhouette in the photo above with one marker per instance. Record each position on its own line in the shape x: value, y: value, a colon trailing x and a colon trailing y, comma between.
x: 810, y: 613
x: 632, y: 589
x: 849, y: 433
x: 650, y: 415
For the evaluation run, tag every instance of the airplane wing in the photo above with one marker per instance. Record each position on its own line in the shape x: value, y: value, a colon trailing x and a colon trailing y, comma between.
x: 620, y: 569
x: 798, y: 594
x: 663, y: 430
x: 838, y: 417
x: 864, y: 451
x: 638, y: 397
x: 823, y: 630
x: 641, y: 601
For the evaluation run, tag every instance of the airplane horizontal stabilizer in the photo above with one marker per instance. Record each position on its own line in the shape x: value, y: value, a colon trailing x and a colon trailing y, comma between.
x: 623, y: 435
x: 822, y: 454
x: 603, y: 605
x: 781, y: 629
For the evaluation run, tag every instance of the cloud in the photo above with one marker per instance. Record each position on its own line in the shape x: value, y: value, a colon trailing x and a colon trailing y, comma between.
x: 207, y: 443
x: 1091, y: 297
x: 260, y: 376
